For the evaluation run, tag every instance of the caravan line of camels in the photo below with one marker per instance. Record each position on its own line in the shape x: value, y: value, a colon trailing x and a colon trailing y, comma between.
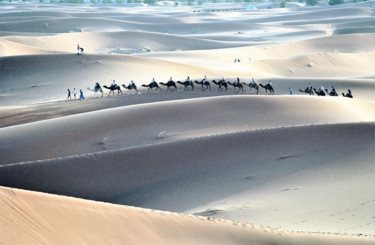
x: 206, y: 85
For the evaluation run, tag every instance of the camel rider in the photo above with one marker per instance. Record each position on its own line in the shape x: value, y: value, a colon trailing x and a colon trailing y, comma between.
x: 321, y: 89
x: 97, y: 86
x: 309, y: 87
x: 204, y: 80
x: 170, y: 79
x: 270, y: 83
x: 188, y: 80
x: 237, y: 82
x: 349, y: 93
x: 252, y: 81
x: 153, y: 81
x: 114, y: 83
x: 132, y: 85
x: 332, y: 91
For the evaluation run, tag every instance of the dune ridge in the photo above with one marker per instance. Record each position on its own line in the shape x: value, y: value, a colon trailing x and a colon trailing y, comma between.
x: 109, y: 225
x: 204, y: 168
x: 130, y: 125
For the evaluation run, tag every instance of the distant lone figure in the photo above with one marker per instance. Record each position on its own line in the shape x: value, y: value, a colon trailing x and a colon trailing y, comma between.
x: 290, y: 91
x: 79, y: 49
x: 69, y: 97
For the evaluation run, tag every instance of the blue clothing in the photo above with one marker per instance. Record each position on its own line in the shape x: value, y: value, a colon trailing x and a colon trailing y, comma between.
x: 82, y: 96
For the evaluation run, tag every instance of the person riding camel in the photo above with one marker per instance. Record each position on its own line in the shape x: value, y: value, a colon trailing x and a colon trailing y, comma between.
x: 252, y: 81
x: 153, y: 81
x: 132, y: 85
x: 332, y: 91
x: 309, y: 88
x: 204, y: 81
x: 188, y: 80
x: 237, y: 82
x: 321, y: 89
x: 114, y: 83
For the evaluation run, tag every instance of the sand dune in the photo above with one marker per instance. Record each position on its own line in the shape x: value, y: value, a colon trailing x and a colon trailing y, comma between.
x: 222, y: 161
x: 113, y: 42
x: 9, y: 48
x: 106, y: 223
x: 237, y: 170
x: 129, y: 126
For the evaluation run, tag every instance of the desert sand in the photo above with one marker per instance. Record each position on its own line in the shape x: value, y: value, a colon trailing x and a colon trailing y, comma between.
x: 188, y: 166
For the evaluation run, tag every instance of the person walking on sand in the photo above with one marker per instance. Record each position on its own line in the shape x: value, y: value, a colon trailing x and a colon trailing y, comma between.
x: 290, y: 91
x: 75, y: 93
x: 81, y: 96
x: 69, y: 97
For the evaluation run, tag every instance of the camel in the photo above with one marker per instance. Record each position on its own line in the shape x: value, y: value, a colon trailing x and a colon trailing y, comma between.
x: 253, y: 85
x: 348, y: 94
x: 130, y: 87
x: 332, y: 93
x: 207, y: 84
x: 307, y: 91
x: 187, y: 84
x: 237, y: 85
x: 112, y: 89
x: 96, y: 89
x: 169, y: 84
x: 268, y: 87
x: 319, y: 93
x: 151, y: 86
x: 221, y: 83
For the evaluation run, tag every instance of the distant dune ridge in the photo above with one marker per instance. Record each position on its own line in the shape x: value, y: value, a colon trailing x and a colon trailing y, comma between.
x: 192, y: 167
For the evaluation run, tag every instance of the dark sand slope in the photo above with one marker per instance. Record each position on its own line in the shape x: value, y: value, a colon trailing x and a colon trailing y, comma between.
x: 141, y: 124
x: 186, y: 174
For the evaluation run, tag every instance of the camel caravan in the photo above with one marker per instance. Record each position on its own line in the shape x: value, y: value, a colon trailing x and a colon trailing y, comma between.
x: 205, y: 85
